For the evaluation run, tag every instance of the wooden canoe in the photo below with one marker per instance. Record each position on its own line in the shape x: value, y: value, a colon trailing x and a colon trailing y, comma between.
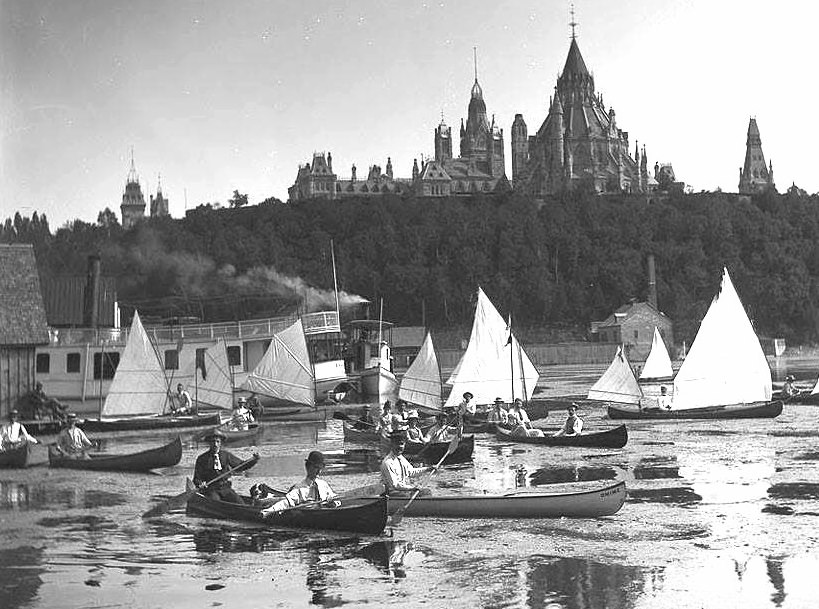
x: 616, y: 437
x: 233, y: 435
x: 351, y: 434
x: 150, y: 422
x: 524, y: 504
x: 367, y: 516
x: 433, y: 452
x: 154, y: 458
x: 755, y: 410
x: 15, y: 457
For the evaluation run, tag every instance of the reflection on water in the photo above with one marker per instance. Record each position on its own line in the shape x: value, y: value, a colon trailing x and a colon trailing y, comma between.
x: 21, y: 496
x: 20, y: 576
x: 558, y: 475
x: 794, y: 491
x: 656, y: 468
x: 391, y: 557
x: 681, y: 495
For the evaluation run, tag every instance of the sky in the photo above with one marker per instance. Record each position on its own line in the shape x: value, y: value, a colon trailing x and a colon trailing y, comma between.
x: 220, y: 96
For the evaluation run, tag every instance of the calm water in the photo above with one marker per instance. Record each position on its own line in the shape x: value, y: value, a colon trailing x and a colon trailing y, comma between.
x: 719, y: 514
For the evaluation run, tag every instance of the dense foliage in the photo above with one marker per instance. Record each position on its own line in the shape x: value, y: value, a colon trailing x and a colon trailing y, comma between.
x: 566, y: 260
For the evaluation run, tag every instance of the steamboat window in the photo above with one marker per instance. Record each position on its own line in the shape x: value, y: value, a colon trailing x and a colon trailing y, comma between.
x: 234, y: 355
x: 72, y: 363
x: 171, y: 359
x: 105, y: 364
x: 43, y: 363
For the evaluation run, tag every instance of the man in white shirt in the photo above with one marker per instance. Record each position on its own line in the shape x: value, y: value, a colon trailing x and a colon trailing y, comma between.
x: 467, y: 408
x: 664, y: 400
x: 184, y: 403
x: 573, y: 425
x: 397, y: 473
x: 242, y: 417
x: 14, y: 433
x: 498, y: 414
x: 311, y: 489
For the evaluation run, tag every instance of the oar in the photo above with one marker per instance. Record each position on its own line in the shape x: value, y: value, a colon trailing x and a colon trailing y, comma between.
x: 398, y: 516
x: 182, y: 498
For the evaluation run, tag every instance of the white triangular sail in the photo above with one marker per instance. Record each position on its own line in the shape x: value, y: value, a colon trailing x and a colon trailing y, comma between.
x: 209, y: 383
x: 139, y: 385
x: 618, y: 383
x: 421, y: 383
x: 726, y: 364
x: 658, y: 362
x: 493, y: 365
x: 285, y: 371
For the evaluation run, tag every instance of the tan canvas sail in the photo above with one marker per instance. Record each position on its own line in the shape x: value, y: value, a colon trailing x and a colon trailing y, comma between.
x: 493, y: 365
x: 139, y: 385
x: 726, y: 364
x: 658, y: 363
x: 618, y: 383
x: 285, y: 371
x: 421, y: 383
x: 209, y: 382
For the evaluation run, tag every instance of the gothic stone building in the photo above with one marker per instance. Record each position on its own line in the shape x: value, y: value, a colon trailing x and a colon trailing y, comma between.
x: 755, y: 176
x: 579, y: 143
x: 133, y: 202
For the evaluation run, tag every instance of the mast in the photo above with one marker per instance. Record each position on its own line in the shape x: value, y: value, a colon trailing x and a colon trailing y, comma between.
x: 511, y: 359
x: 380, y: 321
x: 335, y: 280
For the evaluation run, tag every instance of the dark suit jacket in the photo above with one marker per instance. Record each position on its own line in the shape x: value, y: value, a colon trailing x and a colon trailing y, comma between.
x: 204, y: 470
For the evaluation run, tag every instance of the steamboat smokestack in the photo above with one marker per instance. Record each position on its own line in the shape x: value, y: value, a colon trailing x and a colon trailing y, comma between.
x: 652, y: 282
x: 91, y: 306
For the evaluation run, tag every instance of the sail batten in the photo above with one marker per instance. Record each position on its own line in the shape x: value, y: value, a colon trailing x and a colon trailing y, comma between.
x: 726, y: 363
x: 285, y: 371
x: 139, y: 386
x: 618, y: 383
x: 421, y: 383
x: 494, y: 363
x: 658, y: 362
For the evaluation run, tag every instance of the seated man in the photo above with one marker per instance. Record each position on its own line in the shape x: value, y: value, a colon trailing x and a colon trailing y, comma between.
x: 72, y: 441
x: 414, y: 433
x: 214, y: 463
x: 311, y: 489
x: 573, y: 425
x: 498, y: 414
x: 242, y: 417
x: 14, y: 433
x: 365, y: 419
x: 183, y: 404
x: 440, y: 431
x: 397, y: 473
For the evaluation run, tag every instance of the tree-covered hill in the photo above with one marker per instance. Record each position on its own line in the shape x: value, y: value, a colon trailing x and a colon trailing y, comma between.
x: 563, y: 261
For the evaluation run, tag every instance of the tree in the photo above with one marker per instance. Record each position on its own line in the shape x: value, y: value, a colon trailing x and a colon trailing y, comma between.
x: 107, y: 219
x: 238, y: 199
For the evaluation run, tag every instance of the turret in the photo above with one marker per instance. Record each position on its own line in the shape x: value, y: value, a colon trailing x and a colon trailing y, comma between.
x: 389, y: 168
x: 443, y: 142
x: 415, y: 171
x: 520, y: 146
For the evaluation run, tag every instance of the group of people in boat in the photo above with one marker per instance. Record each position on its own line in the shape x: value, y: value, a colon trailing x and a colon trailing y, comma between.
x: 71, y: 442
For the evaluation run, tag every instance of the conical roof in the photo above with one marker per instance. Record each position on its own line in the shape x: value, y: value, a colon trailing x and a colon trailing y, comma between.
x: 574, y: 61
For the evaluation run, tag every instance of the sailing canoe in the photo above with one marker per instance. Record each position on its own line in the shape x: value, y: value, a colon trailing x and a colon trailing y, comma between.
x: 154, y: 458
x: 16, y: 456
x: 524, y: 504
x: 367, y: 516
x: 754, y: 410
x: 150, y: 422
x: 616, y: 437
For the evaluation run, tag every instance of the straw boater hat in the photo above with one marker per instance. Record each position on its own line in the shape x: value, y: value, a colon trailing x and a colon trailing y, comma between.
x: 498, y: 400
x: 468, y: 395
x: 215, y: 434
x: 14, y: 412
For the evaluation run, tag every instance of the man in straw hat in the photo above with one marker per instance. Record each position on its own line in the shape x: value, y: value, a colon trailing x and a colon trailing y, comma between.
x: 311, y: 489
x: 72, y: 441
x: 213, y: 463
x: 498, y: 414
x: 14, y: 433
x: 242, y: 417
x: 396, y: 472
x: 414, y: 433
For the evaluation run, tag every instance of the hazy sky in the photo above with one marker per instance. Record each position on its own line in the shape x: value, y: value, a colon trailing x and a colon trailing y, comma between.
x: 217, y: 96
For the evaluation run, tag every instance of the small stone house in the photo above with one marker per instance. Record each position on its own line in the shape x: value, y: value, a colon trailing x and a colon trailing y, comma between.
x: 633, y: 326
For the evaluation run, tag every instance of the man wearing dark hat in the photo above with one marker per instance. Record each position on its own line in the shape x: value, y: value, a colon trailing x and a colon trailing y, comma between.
x: 213, y: 463
x: 466, y: 409
x: 312, y: 488
x: 14, y: 433
x: 396, y: 472
x: 72, y: 441
x: 498, y: 414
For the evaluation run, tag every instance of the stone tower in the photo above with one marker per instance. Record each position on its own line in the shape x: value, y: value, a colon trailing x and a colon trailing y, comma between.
x: 133, y: 203
x: 755, y: 176
x: 443, y: 142
x: 520, y: 147
x: 159, y: 204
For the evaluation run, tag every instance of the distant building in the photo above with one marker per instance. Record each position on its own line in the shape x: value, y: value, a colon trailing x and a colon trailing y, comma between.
x: 133, y: 202
x: 23, y: 323
x: 406, y: 343
x: 664, y: 179
x: 754, y: 175
x: 633, y: 326
x: 579, y: 143
x: 317, y: 180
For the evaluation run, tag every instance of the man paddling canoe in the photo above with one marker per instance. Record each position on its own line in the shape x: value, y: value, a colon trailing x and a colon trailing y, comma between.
x: 311, y: 489
x: 573, y: 425
x: 213, y: 463
x: 72, y: 441
x: 14, y: 433
x: 396, y: 472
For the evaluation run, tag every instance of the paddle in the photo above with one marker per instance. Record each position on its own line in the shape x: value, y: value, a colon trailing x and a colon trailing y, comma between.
x: 182, y: 498
x: 398, y: 516
x: 361, y: 491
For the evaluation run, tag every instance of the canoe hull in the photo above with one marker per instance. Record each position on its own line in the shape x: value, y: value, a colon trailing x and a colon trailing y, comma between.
x: 234, y: 435
x: 16, y: 457
x: 367, y: 516
x: 573, y: 504
x: 140, y: 423
x: 432, y: 453
x: 756, y: 410
x: 154, y: 458
x: 616, y: 437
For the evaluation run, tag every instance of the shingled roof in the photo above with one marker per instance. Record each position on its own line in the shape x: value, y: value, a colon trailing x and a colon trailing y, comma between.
x: 22, y: 313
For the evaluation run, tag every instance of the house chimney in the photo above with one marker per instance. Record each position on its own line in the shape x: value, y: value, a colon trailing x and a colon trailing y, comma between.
x: 652, y: 282
x: 91, y: 305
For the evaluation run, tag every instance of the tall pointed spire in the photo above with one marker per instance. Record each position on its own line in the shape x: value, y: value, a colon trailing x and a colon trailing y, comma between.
x: 573, y: 24
x: 133, y: 178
